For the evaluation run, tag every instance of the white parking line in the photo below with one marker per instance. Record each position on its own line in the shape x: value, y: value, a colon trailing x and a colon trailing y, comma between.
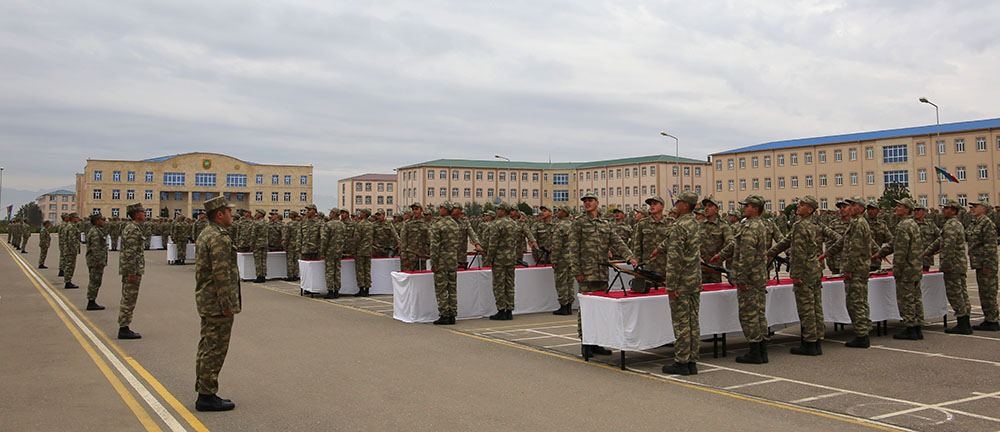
x: 816, y: 398
x: 937, y: 405
x: 562, y: 345
x: 767, y: 381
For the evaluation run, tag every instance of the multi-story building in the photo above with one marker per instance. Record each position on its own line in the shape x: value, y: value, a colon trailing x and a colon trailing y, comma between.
x: 368, y: 191
x: 180, y: 184
x: 862, y: 164
x: 56, y: 203
x: 618, y: 183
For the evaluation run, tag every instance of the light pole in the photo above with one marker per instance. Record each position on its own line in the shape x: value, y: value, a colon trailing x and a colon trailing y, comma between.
x: 1, y: 188
x: 677, y: 154
x: 937, y: 137
x: 508, y: 171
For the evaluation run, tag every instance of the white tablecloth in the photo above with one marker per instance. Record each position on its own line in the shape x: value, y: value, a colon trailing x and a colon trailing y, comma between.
x: 643, y: 322
x: 156, y: 242
x: 312, y: 275
x: 414, y: 301
x: 172, y: 252
x: 276, y: 267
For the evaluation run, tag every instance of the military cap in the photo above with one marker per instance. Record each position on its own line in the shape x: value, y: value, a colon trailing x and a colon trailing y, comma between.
x: 651, y: 200
x: 565, y: 208
x: 871, y: 204
x: 840, y: 203
x: 953, y: 204
x: 708, y: 201
x: 334, y: 210
x: 736, y: 213
x: 93, y: 218
x: 345, y: 211
x: 906, y: 202
x: 754, y: 200
x: 617, y: 210
x: 366, y: 211
x: 810, y: 201
x: 919, y: 206
x: 379, y: 212
x: 541, y: 207
x: 131, y: 208
x: 416, y: 205
x: 260, y: 212
x: 588, y: 195
x: 457, y: 206
x: 445, y: 204
x: 688, y: 197
x: 855, y: 200
x: 699, y: 210
x: 502, y: 206
x: 983, y: 203
x: 489, y: 213
x: 217, y: 203
x: 310, y: 206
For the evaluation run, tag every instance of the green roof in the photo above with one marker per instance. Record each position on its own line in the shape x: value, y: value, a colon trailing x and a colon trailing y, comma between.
x: 502, y: 164
x: 61, y: 192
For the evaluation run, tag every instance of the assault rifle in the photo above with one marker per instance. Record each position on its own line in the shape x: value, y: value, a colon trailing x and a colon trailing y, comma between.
x: 777, y: 262
x: 642, y: 281
x: 718, y: 269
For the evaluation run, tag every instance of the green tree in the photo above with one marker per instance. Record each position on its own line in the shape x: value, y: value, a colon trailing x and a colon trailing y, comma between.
x: 31, y: 213
x: 893, y: 192
x: 473, y: 209
x: 523, y: 207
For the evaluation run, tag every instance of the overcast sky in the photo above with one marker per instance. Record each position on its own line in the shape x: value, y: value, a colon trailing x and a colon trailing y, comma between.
x: 366, y: 86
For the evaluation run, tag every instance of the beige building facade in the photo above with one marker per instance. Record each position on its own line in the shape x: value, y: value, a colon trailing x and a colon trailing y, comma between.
x: 56, y: 203
x: 368, y: 191
x: 618, y: 183
x: 862, y: 164
x: 180, y: 184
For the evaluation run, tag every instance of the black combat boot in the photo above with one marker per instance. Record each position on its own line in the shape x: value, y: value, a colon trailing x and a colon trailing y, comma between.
x: 367, y: 292
x: 819, y: 346
x: 693, y: 368
x: 859, y: 342
x: 360, y: 293
x: 260, y: 279
x: 805, y: 349
x: 920, y: 332
x: 71, y: 285
x: 332, y: 295
x: 909, y: 333
x: 752, y: 356
x: 42, y: 266
x: 763, y: 350
x: 499, y: 316
x: 987, y: 326
x: 451, y: 318
x: 508, y: 315
x: 127, y: 333
x: 963, y: 327
x: 678, y: 369
x: 92, y: 305
x: 213, y: 403
x: 443, y: 320
x: 61, y: 274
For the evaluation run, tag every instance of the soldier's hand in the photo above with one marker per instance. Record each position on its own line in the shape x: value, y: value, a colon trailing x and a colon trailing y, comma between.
x: 821, y: 257
x: 634, y: 262
x: 715, y: 258
x: 227, y: 312
x: 654, y: 253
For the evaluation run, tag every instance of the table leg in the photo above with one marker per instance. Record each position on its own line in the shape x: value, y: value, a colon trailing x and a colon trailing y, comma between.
x: 623, y: 359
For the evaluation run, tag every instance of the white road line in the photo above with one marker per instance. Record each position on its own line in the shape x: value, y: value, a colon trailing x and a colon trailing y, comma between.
x: 927, y: 354
x: 938, y: 405
x: 816, y: 398
x: 768, y: 381
x: 134, y: 382
x: 530, y: 338
x: 561, y: 345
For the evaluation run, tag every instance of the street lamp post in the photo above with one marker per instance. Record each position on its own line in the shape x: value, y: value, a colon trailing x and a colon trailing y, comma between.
x: 1, y: 188
x: 677, y: 154
x: 508, y: 171
x: 937, y: 137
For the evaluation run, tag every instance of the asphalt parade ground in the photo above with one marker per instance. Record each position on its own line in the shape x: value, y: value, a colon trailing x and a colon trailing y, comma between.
x: 298, y: 363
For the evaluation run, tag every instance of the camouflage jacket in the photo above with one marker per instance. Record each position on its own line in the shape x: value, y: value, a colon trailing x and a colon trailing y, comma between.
x: 415, y: 238
x: 905, y: 248
x: 855, y: 248
x: 132, y: 260
x: 805, y: 240
x: 543, y: 232
x: 71, y: 239
x: 465, y: 234
x: 951, y: 244
x: 259, y: 235
x: 562, y: 230
x: 646, y: 236
x: 350, y: 237
x: 217, y: 279
x: 444, y: 241
x: 364, y: 238
x: 682, y: 247
x: 198, y: 227
x: 244, y: 234
x: 505, y: 244
x: 274, y: 234
x: 311, y: 234
x: 715, y: 235
x: 332, y: 239
x: 981, y: 236
x: 44, y: 237
x: 180, y: 232
x: 929, y: 232
x: 746, y: 252
x: 97, y: 247
x: 290, y: 235
x: 838, y: 225
x: 591, y: 241
x: 384, y: 237
x: 880, y: 232
x: 623, y: 230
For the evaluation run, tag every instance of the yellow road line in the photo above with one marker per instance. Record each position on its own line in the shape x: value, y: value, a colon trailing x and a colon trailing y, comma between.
x: 144, y: 418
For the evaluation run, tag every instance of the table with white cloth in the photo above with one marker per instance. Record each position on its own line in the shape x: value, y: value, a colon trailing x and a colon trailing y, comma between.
x: 642, y: 321
x: 413, y: 299
x: 189, y: 250
x: 276, y: 267
x: 155, y: 242
x: 312, y: 276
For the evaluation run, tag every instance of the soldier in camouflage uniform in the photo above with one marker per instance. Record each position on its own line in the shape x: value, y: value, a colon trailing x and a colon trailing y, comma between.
x: 466, y: 234
x: 981, y: 235
x: 69, y: 240
x: 180, y: 232
x: 485, y: 230
x: 749, y: 270
x: 444, y: 235
x: 839, y: 223
x: 715, y: 234
x: 542, y: 230
x: 648, y: 233
x: 25, y: 235
x: 880, y: 232
x: 350, y: 239
x: 199, y: 226
x: 131, y: 267
x: 562, y: 259
x: 504, y: 251
x: 61, y: 232
x: 97, y: 259
x: 855, y: 249
x: 291, y: 241
x: 593, y: 239
x: 364, y: 236
x: 805, y: 239
x: 258, y: 243
x: 310, y: 234
x: 218, y: 299
x: 954, y: 264
x: 414, y: 241
x: 114, y: 227
x: 275, y: 226
x: 928, y: 231
x: 146, y: 228
x: 44, y: 240
x: 384, y: 237
x: 332, y: 250
x: 906, y: 248
x: 623, y: 229
x: 682, y: 247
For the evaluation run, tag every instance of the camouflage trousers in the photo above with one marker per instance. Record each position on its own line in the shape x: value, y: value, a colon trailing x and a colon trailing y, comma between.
x: 292, y: 257
x: 68, y: 266
x: 96, y: 276
x: 986, y: 279
x: 409, y: 261
x: 564, y: 282
x: 181, y: 250
x: 684, y: 311
x: 446, y: 291
x: 809, y: 304
x: 503, y: 286
x: 333, y: 274
x: 363, y: 271
x: 909, y: 300
x: 260, y: 262
x: 588, y: 286
x: 114, y: 242
x: 130, y: 293
x: 212, y: 349
x: 957, y: 292
x: 708, y: 277
x: 24, y: 241
x: 753, y: 319
x: 856, y: 286
x: 43, y: 253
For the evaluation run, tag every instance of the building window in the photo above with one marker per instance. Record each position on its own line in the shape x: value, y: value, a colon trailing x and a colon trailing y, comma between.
x: 275, y: 179
x: 960, y: 173
x: 767, y: 183
x: 562, y: 179
x: 368, y: 186
x: 116, y: 176
x: 116, y: 194
x: 98, y: 175
x: 130, y: 194
x: 900, y: 177
x: 358, y: 187
x: 984, y: 196
x: 97, y: 194
x: 303, y: 196
x: 959, y: 145
x: 795, y: 182
x: 179, y: 196
x: 940, y: 147
x: 743, y: 185
x: 854, y: 179
x: 767, y: 161
x: 442, y: 174
x: 781, y: 182
x: 149, y: 176
x: 287, y: 196
x: 467, y: 175
x: 430, y: 191
x: 443, y: 192
x: 922, y: 200
x: 743, y: 163
x: 676, y: 171
x: 980, y: 143
x: 204, y: 179
x: 454, y: 192
x: 983, y: 172
x: 755, y: 183
x: 260, y: 178
x: 148, y: 194
x: 793, y: 159
x: 643, y: 173
x: 922, y: 175
x: 894, y: 154
x: 718, y: 186
x: 388, y: 201
x: 502, y: 192
x: 852, y: 154
x: 753, y: 162
x: 479, y: 192
x: 821, y: 155
x: 430, y: 174
x: 503, y: 176
x: 781, y: 160
x: 196, y: 196
x: 236, y: 180
x: 288, y: 180
x: 489, y: 193
x: 822, y: 180
x: 388, y: 187
x: 697, y: 189
x: 560, y: 195
x: 718, y: 163
x: 274, y: 197
x: 524, y: 176
x: 838, y: 155
x: 534, y: 192
x: 381, y: 200
x: 454, y: 174
x: 732, y: 186
x: 963, y: 200
x: 131, y: 174
x: 479, y: 175
x: 259, y: 196
x: 869, y: 153
x: 729, y: 163
x: 173, y: 179
x: 809, y: 181
x: 824, y: 204
x: 808, y: 157
x: 303, y: 180
x: 358, y: 199
x: 921, y: 149
x: 838, y: 179
x: 467, y: 192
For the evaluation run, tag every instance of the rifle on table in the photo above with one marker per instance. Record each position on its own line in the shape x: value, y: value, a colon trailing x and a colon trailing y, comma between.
x: 642, y: 281
x: 777, y: 262
x: 544, y: 255
x: 521, y: 263
x: 468, y: 263
x: 718, y: 269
